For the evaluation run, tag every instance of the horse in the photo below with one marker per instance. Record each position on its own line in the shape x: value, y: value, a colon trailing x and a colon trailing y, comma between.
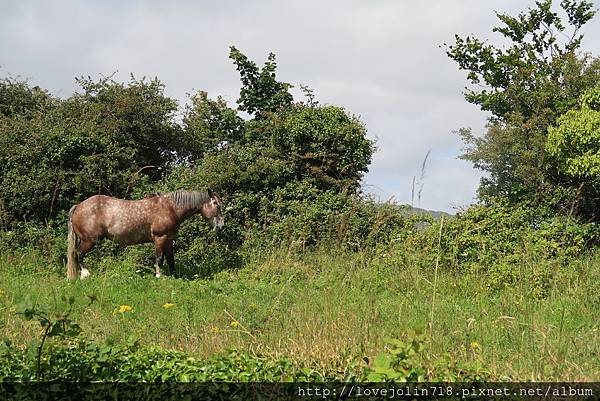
x: 155, y: 218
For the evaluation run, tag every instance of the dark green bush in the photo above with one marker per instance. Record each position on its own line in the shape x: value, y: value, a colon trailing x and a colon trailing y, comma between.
x: 56, y: 152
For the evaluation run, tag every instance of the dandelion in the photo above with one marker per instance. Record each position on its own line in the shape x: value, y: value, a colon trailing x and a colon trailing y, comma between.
x: 235, y: 323
x: 215, y: 329
x: 168, y: 305
x: 125, y: 308
x: 475, y: 345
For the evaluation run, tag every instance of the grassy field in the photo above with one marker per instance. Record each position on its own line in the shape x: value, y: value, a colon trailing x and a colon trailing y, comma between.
x: 329, y: 311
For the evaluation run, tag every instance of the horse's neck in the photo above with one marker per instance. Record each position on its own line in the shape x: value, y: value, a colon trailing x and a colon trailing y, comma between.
x: 185, y: 213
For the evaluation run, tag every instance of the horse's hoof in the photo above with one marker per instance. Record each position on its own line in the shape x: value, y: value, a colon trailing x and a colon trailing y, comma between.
x: 157, y: 275
x: 85, y: 273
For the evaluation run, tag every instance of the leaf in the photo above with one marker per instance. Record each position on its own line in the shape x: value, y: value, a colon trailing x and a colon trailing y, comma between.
x: 381, y: 362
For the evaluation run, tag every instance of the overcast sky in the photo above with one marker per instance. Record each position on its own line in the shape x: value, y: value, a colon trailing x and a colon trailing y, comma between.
x: 379, y: 59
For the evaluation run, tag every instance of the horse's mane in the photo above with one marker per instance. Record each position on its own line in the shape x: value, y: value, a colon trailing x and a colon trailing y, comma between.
x: 188, y: 199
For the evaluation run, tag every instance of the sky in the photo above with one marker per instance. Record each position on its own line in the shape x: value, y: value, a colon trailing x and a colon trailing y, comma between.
x: 379, y: 59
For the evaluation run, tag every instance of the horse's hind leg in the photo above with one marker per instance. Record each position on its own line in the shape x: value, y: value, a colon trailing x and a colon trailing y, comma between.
x: 160, y: 244
x: 170, y: 257
x: 84, y: 247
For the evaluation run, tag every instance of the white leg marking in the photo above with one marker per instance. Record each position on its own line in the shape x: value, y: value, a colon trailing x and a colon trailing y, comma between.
x: 85, y: 273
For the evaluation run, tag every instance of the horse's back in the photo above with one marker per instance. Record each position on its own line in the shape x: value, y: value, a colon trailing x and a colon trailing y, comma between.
x: 125, y: 221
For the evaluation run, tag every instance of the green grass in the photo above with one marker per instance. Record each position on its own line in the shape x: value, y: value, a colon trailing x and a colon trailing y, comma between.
x: 330, y: 310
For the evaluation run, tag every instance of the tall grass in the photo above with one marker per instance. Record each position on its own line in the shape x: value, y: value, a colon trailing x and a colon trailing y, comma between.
x: 331, y: 310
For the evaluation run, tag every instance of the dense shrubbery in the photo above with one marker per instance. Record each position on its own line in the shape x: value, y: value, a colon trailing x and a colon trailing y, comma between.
x: 483, y: 235
x: 90, y: 362
x: 508, y: 243
x: 84, y: 361
x: 61, y: 151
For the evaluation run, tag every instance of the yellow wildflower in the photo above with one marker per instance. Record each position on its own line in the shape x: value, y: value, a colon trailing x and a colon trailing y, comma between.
x: 125, y: 308
x: 168, y: 305
x: 235, y: 323
x: 215, y: 329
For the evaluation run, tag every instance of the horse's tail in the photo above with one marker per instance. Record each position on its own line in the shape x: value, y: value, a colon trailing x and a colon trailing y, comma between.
x: 72, y: 264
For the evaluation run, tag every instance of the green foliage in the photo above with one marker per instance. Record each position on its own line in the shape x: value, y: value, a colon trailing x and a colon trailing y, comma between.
x: 513, y: 76
x: 209, y: 125
x: 405, y: 361
x: 301, y: 215
x: 502, y: 241
x: 17, y: 97
x: 93, y: 142
x: 86, y: 361
x: 575, y: 141
x: 526, y: 85
x: 48, y: 241
x: 201, y: 252
x: 61, y: 326
x: 261, y: 93
x: 324, y: 144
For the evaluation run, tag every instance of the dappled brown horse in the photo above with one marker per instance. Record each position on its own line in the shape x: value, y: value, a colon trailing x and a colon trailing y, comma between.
x: 152, y: 219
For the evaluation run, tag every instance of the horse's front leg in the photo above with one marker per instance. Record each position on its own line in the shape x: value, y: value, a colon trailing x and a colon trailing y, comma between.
x: 160, y: 244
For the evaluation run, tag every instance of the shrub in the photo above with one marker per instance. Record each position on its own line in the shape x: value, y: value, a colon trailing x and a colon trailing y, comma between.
x: 508, y: 243
x: 85, y: 361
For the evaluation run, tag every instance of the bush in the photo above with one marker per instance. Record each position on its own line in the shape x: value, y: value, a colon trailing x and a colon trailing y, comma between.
x: 299, y: 213
x: 406, y: 361
x: 48, y: 241
x: 508, y: 243
x: 85, y: 361
x: 55, y: 152
x: 262, y: 212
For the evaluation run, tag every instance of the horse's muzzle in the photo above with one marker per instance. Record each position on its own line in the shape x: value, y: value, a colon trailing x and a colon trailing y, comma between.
x: 218, y: 223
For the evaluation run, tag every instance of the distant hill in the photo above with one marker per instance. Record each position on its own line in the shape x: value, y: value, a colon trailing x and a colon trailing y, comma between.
x: 411, y: 211
x: 436, y: 214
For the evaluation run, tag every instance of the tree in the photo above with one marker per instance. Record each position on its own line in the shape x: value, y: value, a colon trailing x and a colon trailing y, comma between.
x: 290, y: 141
x: 261, y: 93
x: 574, y: 143
x: 525, y: 86
x: 17, y: 97
x: 323, y: 144
x: 209, y: 125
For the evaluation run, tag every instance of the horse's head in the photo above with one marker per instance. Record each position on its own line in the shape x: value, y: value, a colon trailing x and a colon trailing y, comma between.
x: 211, y: 211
